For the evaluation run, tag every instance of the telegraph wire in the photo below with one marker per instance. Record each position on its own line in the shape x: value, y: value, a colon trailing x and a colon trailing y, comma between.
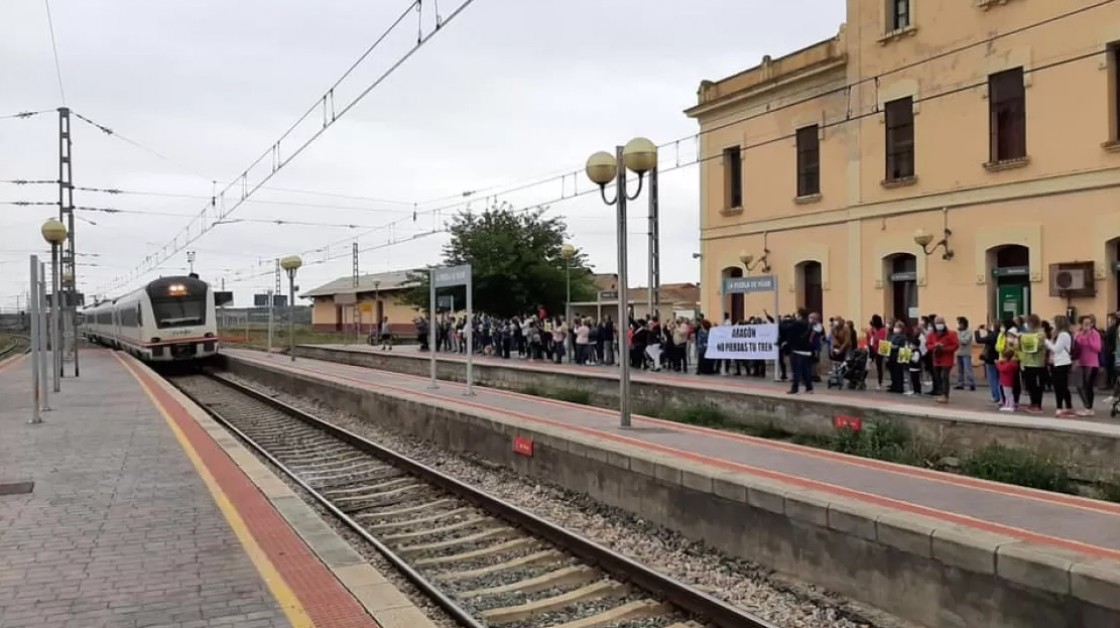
x: 54, y: 47
x: 112, y: 133
x: 814, y: 93
x: 184, y: 238
x: 843, y: 119
x: 118, y: 192
x: 23, y: 115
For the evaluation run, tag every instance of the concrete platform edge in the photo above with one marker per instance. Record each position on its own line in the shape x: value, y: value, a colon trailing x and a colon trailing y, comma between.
x: 1096, y: 450
x: 918, y: 567
x: 388, y: 606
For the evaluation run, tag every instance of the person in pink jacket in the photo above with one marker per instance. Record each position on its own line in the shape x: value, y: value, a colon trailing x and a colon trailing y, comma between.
x: 1088, y: 350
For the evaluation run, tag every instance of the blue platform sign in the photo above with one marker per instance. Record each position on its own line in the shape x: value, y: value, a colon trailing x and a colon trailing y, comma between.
x: 750, y: 285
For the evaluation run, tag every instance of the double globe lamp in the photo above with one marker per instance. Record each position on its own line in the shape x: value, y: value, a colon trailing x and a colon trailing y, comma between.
x: 638, y: 156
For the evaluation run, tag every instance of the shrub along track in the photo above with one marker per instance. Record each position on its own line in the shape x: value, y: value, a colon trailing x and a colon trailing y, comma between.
x: 483, y: 560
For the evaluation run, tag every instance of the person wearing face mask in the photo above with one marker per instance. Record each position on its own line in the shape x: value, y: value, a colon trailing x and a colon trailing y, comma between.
x: 964, y: 356
x: 1032, y: 348
x: 897, y: 368
x: 942, y: 343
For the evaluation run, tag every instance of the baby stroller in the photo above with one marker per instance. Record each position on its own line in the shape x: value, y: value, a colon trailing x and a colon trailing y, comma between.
x: 1115, y: 411
x: 851, y: 372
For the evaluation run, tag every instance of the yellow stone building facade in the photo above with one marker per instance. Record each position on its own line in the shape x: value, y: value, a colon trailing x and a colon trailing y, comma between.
x: 991, y: 125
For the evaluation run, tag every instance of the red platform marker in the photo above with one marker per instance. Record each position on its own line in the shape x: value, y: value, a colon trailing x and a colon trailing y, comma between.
x: 845, y: 422
x: 523, y: 446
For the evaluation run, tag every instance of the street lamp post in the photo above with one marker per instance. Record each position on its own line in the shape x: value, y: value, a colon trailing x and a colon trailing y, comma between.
x: 640, y: 156
x: 291, y: 264
x: 54, y: 232
x: 568, y: 252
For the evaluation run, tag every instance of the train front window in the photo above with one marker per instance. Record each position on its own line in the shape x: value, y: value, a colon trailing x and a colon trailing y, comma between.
x: 179, y: 312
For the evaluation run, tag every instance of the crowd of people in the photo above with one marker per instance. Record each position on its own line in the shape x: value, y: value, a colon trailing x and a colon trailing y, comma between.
x: 1021, y: 354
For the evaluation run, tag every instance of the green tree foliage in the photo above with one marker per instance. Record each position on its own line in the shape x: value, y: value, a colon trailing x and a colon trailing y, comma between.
x: 516, y: 262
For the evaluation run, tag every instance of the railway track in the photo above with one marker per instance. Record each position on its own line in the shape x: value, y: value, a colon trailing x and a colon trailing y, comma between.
x: 484, y: 561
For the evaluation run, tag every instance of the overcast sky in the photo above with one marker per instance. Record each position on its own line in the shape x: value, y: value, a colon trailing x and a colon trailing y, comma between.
x: 509, y: 92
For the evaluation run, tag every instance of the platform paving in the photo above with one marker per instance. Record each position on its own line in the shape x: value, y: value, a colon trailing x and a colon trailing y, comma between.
x: 119, y: 529
x: 974, y: 406
x: 1085, y: 525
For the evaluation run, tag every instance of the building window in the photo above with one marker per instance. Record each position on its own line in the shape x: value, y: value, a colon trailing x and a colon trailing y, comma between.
x: 1007, y: 116
x: 732, y: 177
x: 899, y: 14
x: 808, y: 161
x: 900, y: 139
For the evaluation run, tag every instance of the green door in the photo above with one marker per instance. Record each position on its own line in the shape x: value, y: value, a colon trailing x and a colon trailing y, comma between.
x: 1011, y: 301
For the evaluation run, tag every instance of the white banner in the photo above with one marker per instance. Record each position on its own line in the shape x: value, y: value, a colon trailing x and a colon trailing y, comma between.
x: 743, y: 342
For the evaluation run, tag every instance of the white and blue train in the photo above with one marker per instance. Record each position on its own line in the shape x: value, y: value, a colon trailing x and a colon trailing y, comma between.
x: 170, y: 319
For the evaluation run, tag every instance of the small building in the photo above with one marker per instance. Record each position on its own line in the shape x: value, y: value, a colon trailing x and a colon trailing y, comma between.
x: 340, y: 305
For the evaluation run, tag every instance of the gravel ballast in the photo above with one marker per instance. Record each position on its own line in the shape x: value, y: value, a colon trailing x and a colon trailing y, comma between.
x: 787, y: 603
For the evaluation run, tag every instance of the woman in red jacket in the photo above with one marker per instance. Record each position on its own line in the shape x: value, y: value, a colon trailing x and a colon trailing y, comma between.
x: 942, y: 343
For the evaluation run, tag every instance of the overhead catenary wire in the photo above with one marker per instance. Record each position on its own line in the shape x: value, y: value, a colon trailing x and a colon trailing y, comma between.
x: 846, y: 118
x: 802, y: 96
x: 124, y: 192
x: 185, y: 237
x: 23, y: 115
x: 54, y: 48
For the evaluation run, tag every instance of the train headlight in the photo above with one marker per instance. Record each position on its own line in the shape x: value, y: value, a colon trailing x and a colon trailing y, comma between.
x: 176, y: 289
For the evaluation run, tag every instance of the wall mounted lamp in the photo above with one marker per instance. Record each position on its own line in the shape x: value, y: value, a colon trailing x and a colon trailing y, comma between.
x: 750, y: 263
x: 923, y: 239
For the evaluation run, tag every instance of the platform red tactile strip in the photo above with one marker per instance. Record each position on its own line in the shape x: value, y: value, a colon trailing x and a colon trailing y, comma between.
x: 326, y: 601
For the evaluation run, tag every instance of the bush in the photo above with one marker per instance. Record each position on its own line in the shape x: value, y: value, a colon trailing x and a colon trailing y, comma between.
x: 702, y: 415
x: 1017, y: 466
x: 1110, y: 490
x: 571, y: 395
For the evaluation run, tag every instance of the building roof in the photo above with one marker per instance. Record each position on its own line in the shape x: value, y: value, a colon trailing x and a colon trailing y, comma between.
x: 772, y: 73
x: 395, y: 280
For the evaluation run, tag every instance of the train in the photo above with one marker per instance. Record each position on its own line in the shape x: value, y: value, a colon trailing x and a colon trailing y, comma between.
x: 171, y: 319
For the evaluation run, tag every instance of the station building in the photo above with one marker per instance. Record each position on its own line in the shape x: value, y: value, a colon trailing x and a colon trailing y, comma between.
x: 989, y: 126
x: 375, y: 297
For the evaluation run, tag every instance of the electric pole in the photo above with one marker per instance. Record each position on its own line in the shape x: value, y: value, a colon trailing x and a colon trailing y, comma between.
x: 68, y: 299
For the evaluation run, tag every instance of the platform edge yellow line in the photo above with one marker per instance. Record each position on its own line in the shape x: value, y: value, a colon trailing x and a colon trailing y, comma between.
x: 285, y: 597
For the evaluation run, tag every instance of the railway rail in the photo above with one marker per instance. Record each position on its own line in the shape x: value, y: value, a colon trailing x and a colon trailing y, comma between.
x: 15, y: 346
x: 484, y: 561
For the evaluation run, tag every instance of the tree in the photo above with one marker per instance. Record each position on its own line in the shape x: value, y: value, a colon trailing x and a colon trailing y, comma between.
x: 516, y: 263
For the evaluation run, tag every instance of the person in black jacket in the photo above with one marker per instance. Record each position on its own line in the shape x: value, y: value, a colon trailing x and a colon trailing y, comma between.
x: 990, y: 357
x: 798, y: 336
x: 1108, y: 355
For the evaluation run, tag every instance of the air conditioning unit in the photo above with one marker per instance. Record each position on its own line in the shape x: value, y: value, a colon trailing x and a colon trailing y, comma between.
x: 1066, y: 280
x: 1072, y: 280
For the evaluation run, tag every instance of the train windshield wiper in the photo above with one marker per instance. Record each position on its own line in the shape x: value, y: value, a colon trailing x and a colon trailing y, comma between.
x: 184, y: 319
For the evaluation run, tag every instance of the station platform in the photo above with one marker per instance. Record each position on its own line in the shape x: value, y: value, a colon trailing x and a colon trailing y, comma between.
x: 974, y: 405
x: 142, y: 511
x: 986, y: 527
